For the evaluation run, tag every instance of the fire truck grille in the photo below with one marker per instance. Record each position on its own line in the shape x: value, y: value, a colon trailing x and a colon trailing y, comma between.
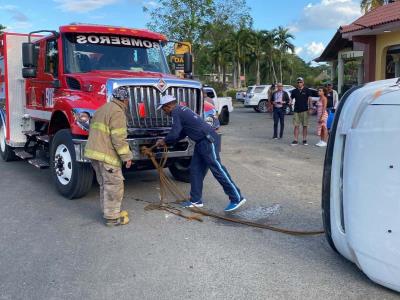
x: 144, y: 100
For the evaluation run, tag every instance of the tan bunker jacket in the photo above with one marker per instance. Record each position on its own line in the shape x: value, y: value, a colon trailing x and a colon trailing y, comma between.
x: 107, y: 135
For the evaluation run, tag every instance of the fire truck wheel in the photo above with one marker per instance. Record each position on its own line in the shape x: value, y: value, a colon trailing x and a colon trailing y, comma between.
x: 224, y: 116
x: 73, y: 179
x: 6, y: 152
x: 180, y: 169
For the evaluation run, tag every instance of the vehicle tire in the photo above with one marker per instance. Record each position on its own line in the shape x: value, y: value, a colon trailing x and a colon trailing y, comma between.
x: 224, y: 116
x: 180, y: 169
x: 72, y: 179
x: 262, y: 106
x: 6, y: 152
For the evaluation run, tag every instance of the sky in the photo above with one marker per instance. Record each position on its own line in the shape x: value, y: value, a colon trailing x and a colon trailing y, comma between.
x: 312, y: 22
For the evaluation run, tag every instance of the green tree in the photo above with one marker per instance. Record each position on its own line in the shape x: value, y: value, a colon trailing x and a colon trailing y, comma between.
x: 283, y: 43
x: 215, y: 43
x: 240, y: 42
x: 181, y: 20
x: 260, y: 44
x: 270, y: 37
x: 367, y: 5
x: 2, y: 27
x: 234, y: 12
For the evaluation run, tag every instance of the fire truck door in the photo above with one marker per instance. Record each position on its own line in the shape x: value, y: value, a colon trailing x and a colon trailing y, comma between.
x: 41, y: 89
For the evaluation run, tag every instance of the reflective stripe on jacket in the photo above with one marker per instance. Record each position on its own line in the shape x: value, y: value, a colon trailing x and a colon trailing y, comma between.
x: 107, y: 135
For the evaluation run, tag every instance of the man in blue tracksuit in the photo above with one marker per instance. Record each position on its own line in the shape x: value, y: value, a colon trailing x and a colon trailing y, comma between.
x: 205, y: 156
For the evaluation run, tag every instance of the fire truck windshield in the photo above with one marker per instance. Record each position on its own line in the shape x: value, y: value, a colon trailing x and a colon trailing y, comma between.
x: 89, y: 52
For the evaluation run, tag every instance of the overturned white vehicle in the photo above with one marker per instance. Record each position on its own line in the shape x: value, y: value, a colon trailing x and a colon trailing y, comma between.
x: 361, y: 183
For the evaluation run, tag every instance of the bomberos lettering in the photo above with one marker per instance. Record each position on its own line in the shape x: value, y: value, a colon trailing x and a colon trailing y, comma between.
x: 115, y: 40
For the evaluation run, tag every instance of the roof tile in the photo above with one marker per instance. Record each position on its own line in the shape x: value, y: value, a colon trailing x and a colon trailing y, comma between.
x: 384, y: 14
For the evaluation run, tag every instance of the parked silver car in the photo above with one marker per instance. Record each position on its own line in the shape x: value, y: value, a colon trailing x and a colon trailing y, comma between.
x: 240, y: 96
x: 257, y: 97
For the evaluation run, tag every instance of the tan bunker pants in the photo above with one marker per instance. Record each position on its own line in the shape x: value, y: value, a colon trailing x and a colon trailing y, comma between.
x: 111, y: 183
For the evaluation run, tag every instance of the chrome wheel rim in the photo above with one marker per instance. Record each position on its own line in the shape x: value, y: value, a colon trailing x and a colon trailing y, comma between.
x: 262, y: 106
x: 63, y: 164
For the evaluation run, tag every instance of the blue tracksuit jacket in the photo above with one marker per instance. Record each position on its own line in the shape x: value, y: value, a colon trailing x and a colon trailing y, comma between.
x: 205, y: 156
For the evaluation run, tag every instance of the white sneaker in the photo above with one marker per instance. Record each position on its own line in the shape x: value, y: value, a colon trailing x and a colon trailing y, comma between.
x: 321, y: 144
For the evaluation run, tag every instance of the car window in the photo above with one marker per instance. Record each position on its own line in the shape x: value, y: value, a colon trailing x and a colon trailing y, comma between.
x: 259, y: 89
x: 51, y: 65
x: 250, y: 89
x: 210, y: 93
x: 314, y: 93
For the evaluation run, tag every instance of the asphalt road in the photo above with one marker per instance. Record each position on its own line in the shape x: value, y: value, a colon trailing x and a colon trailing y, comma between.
x: 53, y: 248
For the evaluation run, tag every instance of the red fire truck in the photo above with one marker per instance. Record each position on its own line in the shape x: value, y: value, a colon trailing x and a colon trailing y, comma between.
x: 51, y: 85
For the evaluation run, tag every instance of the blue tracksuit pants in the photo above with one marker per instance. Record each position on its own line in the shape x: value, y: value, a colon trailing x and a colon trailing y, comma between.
x: 206, y: 156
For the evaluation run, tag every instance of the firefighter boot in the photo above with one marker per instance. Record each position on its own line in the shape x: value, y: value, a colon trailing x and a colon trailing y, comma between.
x: 122, y: 220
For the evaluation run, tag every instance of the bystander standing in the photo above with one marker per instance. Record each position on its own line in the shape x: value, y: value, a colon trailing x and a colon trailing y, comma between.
x: 332, y: 96
x: 279, y: 99
x: 322, y: 117
x: 302, y: 96
x: 271, y: 90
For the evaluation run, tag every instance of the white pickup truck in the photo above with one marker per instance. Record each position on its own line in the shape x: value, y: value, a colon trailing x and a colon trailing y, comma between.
x: 223, y: 105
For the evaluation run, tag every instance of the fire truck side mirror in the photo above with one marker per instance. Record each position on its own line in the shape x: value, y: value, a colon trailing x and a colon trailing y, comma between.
x: 28, y: 55
x: 187, y: 63
x: 29, y: 72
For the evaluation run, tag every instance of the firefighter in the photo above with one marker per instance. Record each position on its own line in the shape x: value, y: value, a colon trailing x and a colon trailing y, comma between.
x: 107, y: 149
x: 205, y: 156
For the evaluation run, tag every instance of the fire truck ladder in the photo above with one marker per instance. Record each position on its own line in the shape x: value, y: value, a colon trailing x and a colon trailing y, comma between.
x: 31, y: 152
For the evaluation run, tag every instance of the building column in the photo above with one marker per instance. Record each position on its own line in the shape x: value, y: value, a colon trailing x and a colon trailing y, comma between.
x: 340, y: 69
x: 333, y: 69
x: 360, y: 72
x: 396, y: 60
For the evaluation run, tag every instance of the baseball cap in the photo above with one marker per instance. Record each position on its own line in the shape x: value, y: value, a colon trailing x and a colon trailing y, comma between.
x: 300, y: 79
x: 120, y: 93
x: 165, y: 100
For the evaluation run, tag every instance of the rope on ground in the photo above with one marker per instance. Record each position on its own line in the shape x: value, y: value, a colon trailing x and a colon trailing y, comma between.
x: 166, y: 184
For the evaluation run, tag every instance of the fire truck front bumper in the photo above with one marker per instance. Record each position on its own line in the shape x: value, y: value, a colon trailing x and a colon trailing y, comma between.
x: 184, y: 148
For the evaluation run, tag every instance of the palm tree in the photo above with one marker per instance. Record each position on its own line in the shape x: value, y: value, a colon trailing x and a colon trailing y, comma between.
x: 282, y: 42
x: 216, y: 36
x: 240, y: 49
x: 270, y: 51
x: 367, y: 5
x: 260, y: 46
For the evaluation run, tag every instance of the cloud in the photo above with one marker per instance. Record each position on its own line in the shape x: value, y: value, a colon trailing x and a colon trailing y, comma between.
x: 327, y: 14
x: 82, y: 6
x: 314, y: 48
x: 16, y: 14
x: 298, y: 50
x: 19, y: 26
x: 8, y: 7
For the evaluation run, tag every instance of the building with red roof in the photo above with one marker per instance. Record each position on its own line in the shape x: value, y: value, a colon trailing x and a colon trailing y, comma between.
x: 372, y: 41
